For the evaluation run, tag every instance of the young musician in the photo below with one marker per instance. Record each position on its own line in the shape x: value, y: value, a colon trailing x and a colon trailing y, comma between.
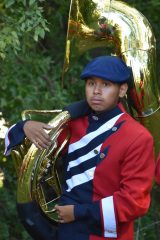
x: 108, y: 163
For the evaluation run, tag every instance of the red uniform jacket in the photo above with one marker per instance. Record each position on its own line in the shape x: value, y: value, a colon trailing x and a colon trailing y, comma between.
x: 109, y: 165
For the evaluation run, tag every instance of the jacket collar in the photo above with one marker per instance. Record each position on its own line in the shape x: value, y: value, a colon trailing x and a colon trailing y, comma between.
x: 105, y: 116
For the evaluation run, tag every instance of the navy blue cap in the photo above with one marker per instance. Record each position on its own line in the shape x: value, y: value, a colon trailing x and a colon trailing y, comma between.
x: 111, y: 68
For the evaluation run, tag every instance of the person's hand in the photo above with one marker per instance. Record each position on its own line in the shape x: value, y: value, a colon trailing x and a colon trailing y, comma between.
x: 35, y: 132
x: 65, y: 213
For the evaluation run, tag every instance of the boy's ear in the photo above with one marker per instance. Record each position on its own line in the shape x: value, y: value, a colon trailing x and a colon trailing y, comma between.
x: 123, y: 89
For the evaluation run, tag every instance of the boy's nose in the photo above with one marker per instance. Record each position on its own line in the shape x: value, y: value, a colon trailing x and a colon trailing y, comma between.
x: 97, y: 89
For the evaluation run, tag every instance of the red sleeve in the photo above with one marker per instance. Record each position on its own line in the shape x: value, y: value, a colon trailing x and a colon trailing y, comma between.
x: 157, y: 172
x: 137, y: 173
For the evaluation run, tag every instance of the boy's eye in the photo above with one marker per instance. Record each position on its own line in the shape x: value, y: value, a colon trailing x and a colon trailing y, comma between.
x: 91, y: 83
x: 107, y: 83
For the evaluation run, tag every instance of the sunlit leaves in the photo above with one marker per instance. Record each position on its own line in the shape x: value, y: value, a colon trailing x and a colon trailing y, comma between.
x: 20, y: 19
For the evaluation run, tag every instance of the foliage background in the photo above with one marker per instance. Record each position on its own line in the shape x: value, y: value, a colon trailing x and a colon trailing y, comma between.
x: 32, y: 44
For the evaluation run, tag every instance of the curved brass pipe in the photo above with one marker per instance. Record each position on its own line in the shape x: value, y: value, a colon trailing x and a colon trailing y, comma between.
x: 116, y: 28
x: 37, y: 169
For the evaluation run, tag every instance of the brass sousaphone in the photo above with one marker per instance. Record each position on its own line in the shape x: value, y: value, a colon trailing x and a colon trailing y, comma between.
x: 99, y: 26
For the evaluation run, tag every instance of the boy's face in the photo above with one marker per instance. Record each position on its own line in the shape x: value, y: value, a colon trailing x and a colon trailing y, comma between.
x: 103, y: 95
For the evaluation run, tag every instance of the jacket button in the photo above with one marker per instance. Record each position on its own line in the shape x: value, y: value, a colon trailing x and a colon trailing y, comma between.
x: 102, y: 155
x: 114, y: 129
x: 95, y: 118
x: 95, y: 151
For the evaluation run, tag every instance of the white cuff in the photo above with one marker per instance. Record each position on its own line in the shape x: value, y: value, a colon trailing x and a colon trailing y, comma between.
x: 7, y: 142
x: 109, y: 218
